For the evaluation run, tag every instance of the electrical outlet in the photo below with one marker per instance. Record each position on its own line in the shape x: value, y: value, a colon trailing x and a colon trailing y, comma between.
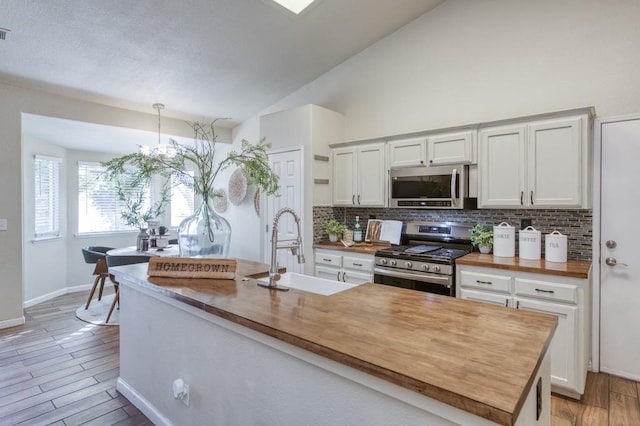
x: 3, y: 224
x: 524, y: 223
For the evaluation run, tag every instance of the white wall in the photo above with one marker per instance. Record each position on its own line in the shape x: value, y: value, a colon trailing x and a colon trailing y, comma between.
x: 46, y: 270
x: 470, y: 61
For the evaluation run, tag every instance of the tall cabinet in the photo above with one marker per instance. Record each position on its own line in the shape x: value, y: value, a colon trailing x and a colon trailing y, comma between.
x: 541, y: 163
x: 312, y: 128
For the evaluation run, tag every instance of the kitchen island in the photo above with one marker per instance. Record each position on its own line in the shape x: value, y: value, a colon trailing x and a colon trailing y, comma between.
x: 369, y: 355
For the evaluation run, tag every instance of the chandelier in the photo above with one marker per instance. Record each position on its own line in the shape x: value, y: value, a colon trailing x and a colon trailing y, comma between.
x: 162, y: 148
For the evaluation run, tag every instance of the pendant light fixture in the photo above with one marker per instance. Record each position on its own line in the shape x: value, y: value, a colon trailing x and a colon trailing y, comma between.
x: 162, y: 148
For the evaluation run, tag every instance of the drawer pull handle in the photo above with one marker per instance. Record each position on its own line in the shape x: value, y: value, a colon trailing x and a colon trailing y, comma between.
x: 357, y: 264
x: 484, y: 282
x: 506, y: 303
x: 326, y: 260
x: 545, y: 291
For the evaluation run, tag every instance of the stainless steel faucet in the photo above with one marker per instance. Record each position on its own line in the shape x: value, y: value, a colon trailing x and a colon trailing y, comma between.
x: 295, y: 247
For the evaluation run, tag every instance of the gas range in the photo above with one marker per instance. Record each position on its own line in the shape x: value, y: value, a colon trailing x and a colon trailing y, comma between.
x: 426, y: 260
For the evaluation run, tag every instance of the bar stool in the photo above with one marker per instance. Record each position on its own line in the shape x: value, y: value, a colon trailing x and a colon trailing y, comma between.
x: 119, y: 261
x: 96, y: 255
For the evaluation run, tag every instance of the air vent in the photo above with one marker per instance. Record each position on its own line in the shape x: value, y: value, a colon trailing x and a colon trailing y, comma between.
x: 4, y: 33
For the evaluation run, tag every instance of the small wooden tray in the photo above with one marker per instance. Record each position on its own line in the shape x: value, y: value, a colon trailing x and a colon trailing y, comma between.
x: 187, y: 267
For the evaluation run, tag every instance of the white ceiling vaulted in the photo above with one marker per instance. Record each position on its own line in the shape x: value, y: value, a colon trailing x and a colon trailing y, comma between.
x: 202, y: 58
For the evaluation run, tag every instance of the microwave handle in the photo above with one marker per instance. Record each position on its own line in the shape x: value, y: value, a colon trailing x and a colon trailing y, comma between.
x: 454, y: 177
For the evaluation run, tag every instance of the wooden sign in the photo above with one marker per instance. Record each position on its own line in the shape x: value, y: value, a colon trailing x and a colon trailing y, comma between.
x: 188, y: 267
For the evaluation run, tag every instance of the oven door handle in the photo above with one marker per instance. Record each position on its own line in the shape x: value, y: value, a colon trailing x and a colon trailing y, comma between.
x: 444, y: 280
x: 454, y: 181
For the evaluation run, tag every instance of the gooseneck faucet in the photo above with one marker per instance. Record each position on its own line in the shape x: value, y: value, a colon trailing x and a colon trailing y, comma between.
x: 296, y: 249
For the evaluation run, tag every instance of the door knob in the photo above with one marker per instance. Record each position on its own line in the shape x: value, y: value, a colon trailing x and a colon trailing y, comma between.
x: 611, y: 244
x: 611, y: 261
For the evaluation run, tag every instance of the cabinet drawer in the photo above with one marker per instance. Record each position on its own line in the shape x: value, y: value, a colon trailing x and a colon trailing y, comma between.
x: 357, y: 263
x: 485, y: 281
x: 328, y: 259
x: 547, y: 290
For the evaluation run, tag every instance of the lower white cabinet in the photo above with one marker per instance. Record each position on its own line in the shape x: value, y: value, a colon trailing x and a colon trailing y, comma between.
x: 354, y: 268
x: 566, y: 298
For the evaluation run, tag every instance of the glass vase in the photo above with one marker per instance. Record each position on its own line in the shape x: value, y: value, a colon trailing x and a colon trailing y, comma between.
x: 140, y: 238
x: 205, y: 234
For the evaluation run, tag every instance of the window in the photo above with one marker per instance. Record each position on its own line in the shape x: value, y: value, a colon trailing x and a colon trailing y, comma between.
x: 98, y: 204
x: 47, y: 196
x: 181, y: 201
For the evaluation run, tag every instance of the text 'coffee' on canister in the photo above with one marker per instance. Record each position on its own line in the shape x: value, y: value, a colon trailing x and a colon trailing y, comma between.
x: 555, y: 247
x: 530, y: 241
x: 504, y: 240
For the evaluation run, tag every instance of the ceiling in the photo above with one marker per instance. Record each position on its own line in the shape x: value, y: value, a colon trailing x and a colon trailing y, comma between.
x: 203, y: 59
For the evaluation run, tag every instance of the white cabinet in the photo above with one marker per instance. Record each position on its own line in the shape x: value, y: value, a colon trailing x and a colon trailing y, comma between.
x: 407, y: 152
x: 538, y: 164
x: 359, y: 175
x: 451, y: 148
x: 566, y: 298
x: 354, y: 268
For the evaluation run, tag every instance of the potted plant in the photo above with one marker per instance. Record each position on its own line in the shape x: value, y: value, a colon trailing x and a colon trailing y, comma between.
x: 205, y: 233
x: 482, y: 237
x: 334, y: 229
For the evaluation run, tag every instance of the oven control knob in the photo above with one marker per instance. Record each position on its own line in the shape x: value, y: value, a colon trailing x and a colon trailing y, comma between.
x: 394, y: 263
x: 408, y: 265
x: 436, y: 268
x: 425, y: 267
x: 383, y: 261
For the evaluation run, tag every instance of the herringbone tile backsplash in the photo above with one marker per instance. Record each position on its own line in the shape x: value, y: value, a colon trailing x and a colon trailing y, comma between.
x: 576, y: 224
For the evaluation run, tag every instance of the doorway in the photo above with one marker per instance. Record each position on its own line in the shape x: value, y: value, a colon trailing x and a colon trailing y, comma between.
x: 287, y: 164
x: 616, y: 206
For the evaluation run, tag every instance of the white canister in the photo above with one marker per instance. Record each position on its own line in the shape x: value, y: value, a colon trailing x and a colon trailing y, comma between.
x: 504, y: 240
x: 555, y: 247
x: 530, y: 242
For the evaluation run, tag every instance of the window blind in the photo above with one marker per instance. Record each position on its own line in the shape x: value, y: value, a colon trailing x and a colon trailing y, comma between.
x: 98, y: 205
x: 47, y: 196
x: 181, y: 201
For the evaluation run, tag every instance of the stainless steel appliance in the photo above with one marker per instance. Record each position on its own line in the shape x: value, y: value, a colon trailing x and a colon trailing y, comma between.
x: 426, y: 260
x: 439, y: 187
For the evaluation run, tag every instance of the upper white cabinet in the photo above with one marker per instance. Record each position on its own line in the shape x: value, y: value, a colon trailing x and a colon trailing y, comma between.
x: 451, y: 148
x: 359, y: 175
x: 407, y: 152
x: 538, y: 164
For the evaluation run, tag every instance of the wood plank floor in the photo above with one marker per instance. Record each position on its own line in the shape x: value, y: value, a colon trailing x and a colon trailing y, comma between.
x: 58, y: 370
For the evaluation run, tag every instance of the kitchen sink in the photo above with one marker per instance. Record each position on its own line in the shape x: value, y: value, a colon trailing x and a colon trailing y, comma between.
x: 311, y: 284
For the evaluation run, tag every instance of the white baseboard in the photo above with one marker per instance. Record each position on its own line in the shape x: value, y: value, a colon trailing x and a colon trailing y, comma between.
x: 141, y: 403
x: 61, y: 292
x: 12, y: 322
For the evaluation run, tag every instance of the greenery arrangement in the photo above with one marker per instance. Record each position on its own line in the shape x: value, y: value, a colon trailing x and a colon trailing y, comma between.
x: 134, y: 200
x: 333, y: 227
x: 482, y: 235
x: 252, y: 158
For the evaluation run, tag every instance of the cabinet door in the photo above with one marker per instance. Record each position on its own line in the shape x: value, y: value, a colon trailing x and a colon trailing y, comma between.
x: 501, y: 167
x: 564, y: 345
x: 344, y: 172
x: 485, y: 297
x: 555, y: 163
x: 371, y: 175
x: 405, y: 153
x: 452, y: 148
x: 334, y: 274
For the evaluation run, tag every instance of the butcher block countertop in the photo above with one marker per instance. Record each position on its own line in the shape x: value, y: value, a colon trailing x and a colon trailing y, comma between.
x: 476, y: 357
x: 365, y: 248
x: 570, y: 268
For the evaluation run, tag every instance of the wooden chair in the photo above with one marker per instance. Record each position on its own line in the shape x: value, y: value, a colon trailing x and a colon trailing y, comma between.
x: 96, y: 255
x: 118, y: 261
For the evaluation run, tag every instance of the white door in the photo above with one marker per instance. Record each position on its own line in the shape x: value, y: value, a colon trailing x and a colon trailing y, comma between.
x: 344, y: 182
x: 371, y: 176
x: 619, y: 283
x: 287, y: 164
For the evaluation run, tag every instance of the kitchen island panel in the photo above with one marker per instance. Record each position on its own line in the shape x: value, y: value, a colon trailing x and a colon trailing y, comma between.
x: 478, y: 358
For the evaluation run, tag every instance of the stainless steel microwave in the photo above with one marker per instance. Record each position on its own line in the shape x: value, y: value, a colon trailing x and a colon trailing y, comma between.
x: 439, y: 187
